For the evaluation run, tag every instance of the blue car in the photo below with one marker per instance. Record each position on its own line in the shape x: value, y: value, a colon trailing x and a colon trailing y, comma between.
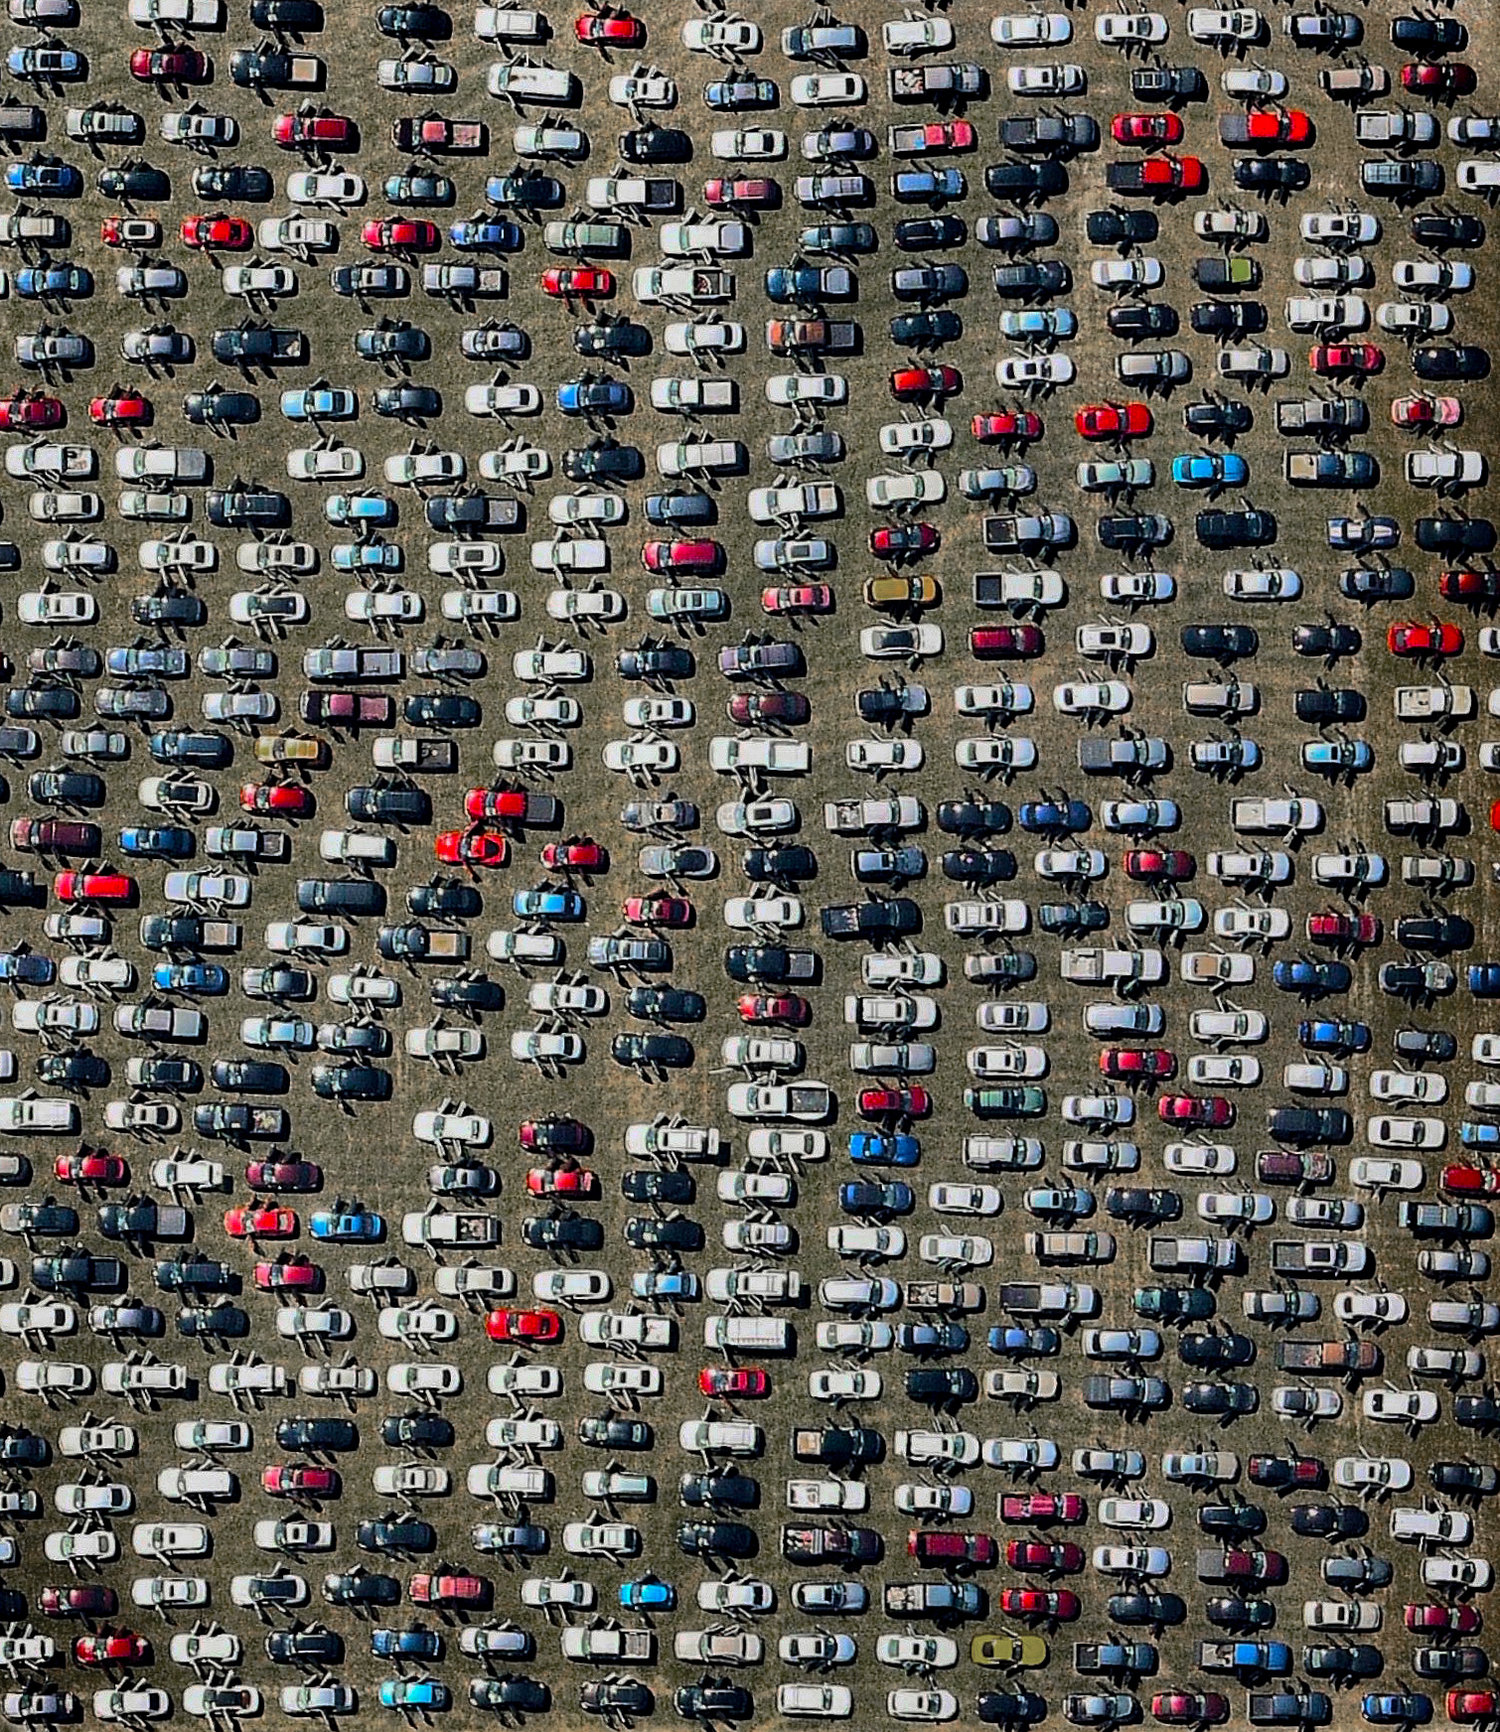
x: 913, y: 185
x: 1012, y: 1338
x: 1476, y: 1136
x: 1338, y: 757
x: 548, y: 905
x: 1210, y: 469
x: 858, y: 1197
x: 36, y: 282
x: 1484, y: 979
x: 664, y: 1284
x: 167, y: 842
x: 367, y: 556
x: 487, y: 235
x: 594, y: 397
x: 354, y: 1228
x: 648, y: 1595
x: 1312, y: 977
x: 406, y: 1644
x: 1334, y: 1036
x: 139, y: 661
x: 319, y: 403
x: 371, y: 508
x: 45, y: 61
x: 1407, y: 1710
x: 414, y: 1693
x: 26, y: 968
x: 59, y: 178
x: 206, y: 979
x: 870, y: 1148
x: 1045, y: 815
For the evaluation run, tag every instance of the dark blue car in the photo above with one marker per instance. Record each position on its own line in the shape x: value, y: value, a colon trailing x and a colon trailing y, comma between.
x: 1312, y: 978
x: 1049, y: 815
x: 869, y: 1148
x: 406, y: 1644
x: 491, y: 234
x: 862, y: 1197
x: 1484, y: 979
x: 42, y: 176
x: 1411, y: 1709
x: 164, y: 842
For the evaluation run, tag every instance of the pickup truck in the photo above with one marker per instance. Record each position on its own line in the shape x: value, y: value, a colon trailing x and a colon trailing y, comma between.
x: 1394, y: 127
x: 1317, y: 1257
x: 1123, y: 757
x: 1092, y: 964
x: 612, y: 1645
x: 144, y: 1220
x: 1018, y: 589
x: 945, y: 81
x: 812, y: 336
x: 653, y: 283
x: 189, y: 932
x: 1431, y: 703
x: 438, y: 136
x: 944, y: 1295
x: 1323, y: 468
x: 695, y: 396
x: 861, y: 817
x: 932, y: 1599
x: 1292, y: 1707
x: 340, y: 663
x: 1048, y: 1299
x: 1271, y: 1657
x: 1170, y: 1255
x: 444, y: 1228
x: 801, y: 1102
x: 420, y: 754
x: 423, y: 944
x: 632, y: 192
x: 514, y: 806
x: 1332, y: 1357
x: 1321, y: 415
x: 268, y: 69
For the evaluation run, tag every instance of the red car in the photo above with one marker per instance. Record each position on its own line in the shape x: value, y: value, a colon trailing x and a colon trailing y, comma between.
x: 1423, y: 411
x: 331, y: 131
x: 170, y: 65
x: 1411, y: 638
x: 1124, y: 1061
x: 749, y: 191
x: 733, y: 1380
x: 29, y: 410
x: 1147, y: 864
x: 122, y: 1648
x: 749, y: 709
x: 1471, y: 1704
x: 583, y: 280
x: 1148, y: 130
x: 217, y: 231
x: 1332, y: 359
x: 581, y: 856
x: 666, y: 557
x: 1042, y: 1506
x: 1113, y: 421
x: 917, y: 384
x: 1453, y: 79
x: 448, y: 1590
x: 401, y: 235
x: 94, y: 887
x: 913, y: 1103
x: 291, y: 1275
x: 562, y: 1182
x: 1059, y: 1555
x: 1006, y: 642
x: 1458, y: 1620
x: 283, y: 1175
x: 121, y: 409
x: 1190, y: 1707
x: 1265, y: 126
x: 951, y: 1550
x: 249, y: 1221
x: 669, y: 911
x: 787, y: 1008
x: 798, y: 598
x: 1343, y: 928
x: 1061, y: 1604
x: 299, y: 1480
x: 901, y: 541
x: 1473, y: 586
x: 523, y: 1326
x: 609, y: 30
x: 1007, y: 426
x: 1206, y: 1110
x: 80, y: 1600
x: 1468, y: 1181
x: 90, y: 1168
x: 276, y: 797
x: 470, y: 847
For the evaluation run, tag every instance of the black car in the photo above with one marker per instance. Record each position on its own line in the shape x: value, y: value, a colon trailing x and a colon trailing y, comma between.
x: 604, y: 461
x: 1171, y: 84
x: 224, y: 1321
x: 932, y: 326
x: 233, y: 183
x: 473, y: 511
x: 1328, y: 641
x: 1328, y: 1660
x: 1321, y: 704
x: 932, y: 1338
x: 1142, y: 1203
x: 1215, y: 1351
x: 772, y: 865
x: 655, y: 662
x: 562, y: 1233
x: 249, y: 1076
x: 1118, y: 227
x: 979, y: 866
x: 467, y: 993
x: 314, y: 1434
x: 679, y: 510
x: 135, y: 180
x: 1222, y: 643
x: 668, y: 1050
x: 1271, y: 173
x: 1218, y: 418
x: 713, y: 1702
x: 716, y: 1539
x: 1231, y: 1612
x: 198, y: 1274
x: 1387, y: 583
x: 730, y: 1489
x: 1457, y: 361
x: 676, y: 1233
x: 73, y: 1070
x: 361, y: 1588
x: 1009, y: 1707
x: 615, y: 1431
x: 351, y: 1082
x: 313, y: 1647
x: 1323, y: 1521
x: 622, y: 1698
x: 1135, y: 319
x: 248, y: 510
x: 875, y: 920
x: 1428, y: 36
x: 974, y: 817
x: 942, y: 1387
x: 1459, y: 535
x: 1026, y: 180
x: 666, y: 1004
x: 417, y: 1431
x: 768, y: 964
x: 511, y: 1694
x: 1438, y: 230
x: 22, y: 1448
x: 441, y: 710
x: 1434, y: 932
x: 1134, y: 530
x: 1143, y: 1608
x: 388, y: 805
x: 1471, y: 1478
x: 405, y: 400
x: 1232, y: 1521
x: 1235, y: 528
x: 917, y: 234
x: 657, y: 1185
x: 444, y: 897
x: 655, y: 144
x: 1227, y: 318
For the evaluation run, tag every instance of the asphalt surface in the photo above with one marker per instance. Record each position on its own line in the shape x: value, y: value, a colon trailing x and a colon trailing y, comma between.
x: 368, y: 1155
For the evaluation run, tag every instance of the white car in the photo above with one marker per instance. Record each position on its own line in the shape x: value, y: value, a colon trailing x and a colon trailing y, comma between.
x: 1031, y: 29
x: 1403, y: 1407
x: 312, y: 187
x: 827, y: 89
x: 1351, y: 228
x: 1263, y: 583
x: 1034, y: 372
x: 1062, y: 78
x: 790, y: 389
x: 1212, y: 25
x: 269, y: 281
x: 1128, y: 29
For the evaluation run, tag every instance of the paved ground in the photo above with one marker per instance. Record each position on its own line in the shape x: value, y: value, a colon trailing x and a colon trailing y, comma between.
x: 369, y: 1154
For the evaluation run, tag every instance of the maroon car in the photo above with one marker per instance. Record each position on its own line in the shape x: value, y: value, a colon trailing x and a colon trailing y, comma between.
x: 748, y: 708
x: 283, y: 1176
x: 1006, y: 642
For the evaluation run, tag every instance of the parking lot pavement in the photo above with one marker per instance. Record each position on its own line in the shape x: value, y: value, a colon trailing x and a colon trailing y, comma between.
x: 1127, y: 1154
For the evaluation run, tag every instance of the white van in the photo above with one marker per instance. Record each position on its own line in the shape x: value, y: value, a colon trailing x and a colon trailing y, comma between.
x: 37, y: 1115
x: 748, y: 1334
x: 508, y: 24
